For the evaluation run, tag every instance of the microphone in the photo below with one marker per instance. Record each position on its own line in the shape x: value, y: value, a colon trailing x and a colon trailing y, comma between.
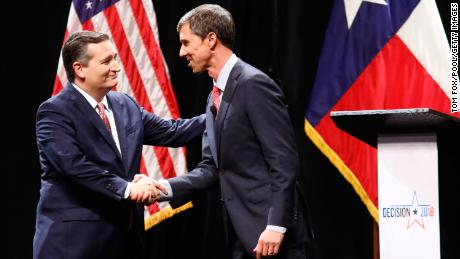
x: 213, y: 110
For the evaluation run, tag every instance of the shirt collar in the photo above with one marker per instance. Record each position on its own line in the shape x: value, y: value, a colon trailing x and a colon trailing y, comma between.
x: 90, y: 99
x: 225, y: 72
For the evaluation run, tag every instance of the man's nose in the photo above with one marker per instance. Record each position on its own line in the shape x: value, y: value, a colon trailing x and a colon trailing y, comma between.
x: 116, y: 66
x: 182, y: 52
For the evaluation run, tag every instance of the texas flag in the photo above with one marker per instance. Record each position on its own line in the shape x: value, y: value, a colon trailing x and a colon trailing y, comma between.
x: 377, y: 54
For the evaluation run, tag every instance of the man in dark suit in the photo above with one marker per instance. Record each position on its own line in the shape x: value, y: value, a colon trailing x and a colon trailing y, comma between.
x: 248, y: 145
x: 90, y: 144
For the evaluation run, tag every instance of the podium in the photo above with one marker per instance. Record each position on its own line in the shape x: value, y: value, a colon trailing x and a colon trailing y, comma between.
x: 415, y: 149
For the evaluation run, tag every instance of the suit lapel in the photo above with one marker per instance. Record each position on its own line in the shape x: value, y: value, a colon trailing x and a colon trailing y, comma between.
x: 232, y: 84
x: 117, y: 109
x: 90, y: 113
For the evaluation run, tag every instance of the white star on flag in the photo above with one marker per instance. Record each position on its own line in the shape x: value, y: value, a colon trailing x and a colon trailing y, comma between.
x: 352, y: 7
x: 89, y: 5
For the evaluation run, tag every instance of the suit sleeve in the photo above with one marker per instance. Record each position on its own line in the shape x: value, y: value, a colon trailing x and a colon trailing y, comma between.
x: 203, y: 176
x: 267, y: 111
x: 57, y: 142
x: 171, y: 133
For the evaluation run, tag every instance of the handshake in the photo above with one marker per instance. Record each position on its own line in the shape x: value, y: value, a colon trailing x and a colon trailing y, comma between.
x: 146, y: 190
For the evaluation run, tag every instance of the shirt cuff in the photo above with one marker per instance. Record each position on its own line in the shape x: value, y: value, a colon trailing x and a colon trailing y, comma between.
x: 165, y: 197
x: 281, y: 230
x: 127, y: 191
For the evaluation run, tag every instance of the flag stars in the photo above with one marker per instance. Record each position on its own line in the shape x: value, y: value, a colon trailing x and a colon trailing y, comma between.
x: 89, y: 5
x: 352, y: 7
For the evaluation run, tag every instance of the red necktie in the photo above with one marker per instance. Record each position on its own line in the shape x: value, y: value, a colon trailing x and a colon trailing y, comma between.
x: 101, y: 110
x: 215, y: 97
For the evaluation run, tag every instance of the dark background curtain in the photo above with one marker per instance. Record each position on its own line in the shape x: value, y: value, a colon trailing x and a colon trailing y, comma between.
x: 282, y: 38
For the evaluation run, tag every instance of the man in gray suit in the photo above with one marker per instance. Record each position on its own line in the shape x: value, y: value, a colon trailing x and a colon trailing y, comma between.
x: 248, y: 145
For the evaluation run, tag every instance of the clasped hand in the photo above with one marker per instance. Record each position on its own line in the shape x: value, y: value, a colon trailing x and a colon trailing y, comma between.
x: 145, y: 189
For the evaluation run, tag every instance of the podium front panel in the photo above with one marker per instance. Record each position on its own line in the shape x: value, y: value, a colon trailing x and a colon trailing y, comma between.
x: 408, y: 196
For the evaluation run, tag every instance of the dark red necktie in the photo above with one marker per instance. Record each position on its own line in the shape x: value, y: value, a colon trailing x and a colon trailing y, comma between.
x: 215, y: 97
x: 101, y: 111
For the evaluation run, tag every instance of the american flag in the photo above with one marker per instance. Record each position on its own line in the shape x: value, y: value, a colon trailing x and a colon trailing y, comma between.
x: 144, y: 75
x: 377, y: 55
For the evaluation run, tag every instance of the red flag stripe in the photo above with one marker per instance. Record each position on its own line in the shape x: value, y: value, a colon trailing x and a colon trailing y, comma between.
x: 61, y: 71
x: 57, y: 86
x: 66, y: 35
x: 152, y: 209
x: 143, y: 168
x: 88, y: 26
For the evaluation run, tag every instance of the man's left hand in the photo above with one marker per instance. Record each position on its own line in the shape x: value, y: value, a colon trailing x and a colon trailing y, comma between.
x: 269, y: 243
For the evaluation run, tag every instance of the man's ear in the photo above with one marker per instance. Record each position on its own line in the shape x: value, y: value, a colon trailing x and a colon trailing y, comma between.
x: 212, y: 40
x: 79, y: 69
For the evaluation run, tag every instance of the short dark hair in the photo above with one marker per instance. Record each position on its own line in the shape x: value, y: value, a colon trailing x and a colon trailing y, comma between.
x: 208, y: 18
x: 75, y: 49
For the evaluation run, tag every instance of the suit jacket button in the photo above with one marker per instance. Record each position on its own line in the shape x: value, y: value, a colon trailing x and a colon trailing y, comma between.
x: 295, y: 214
